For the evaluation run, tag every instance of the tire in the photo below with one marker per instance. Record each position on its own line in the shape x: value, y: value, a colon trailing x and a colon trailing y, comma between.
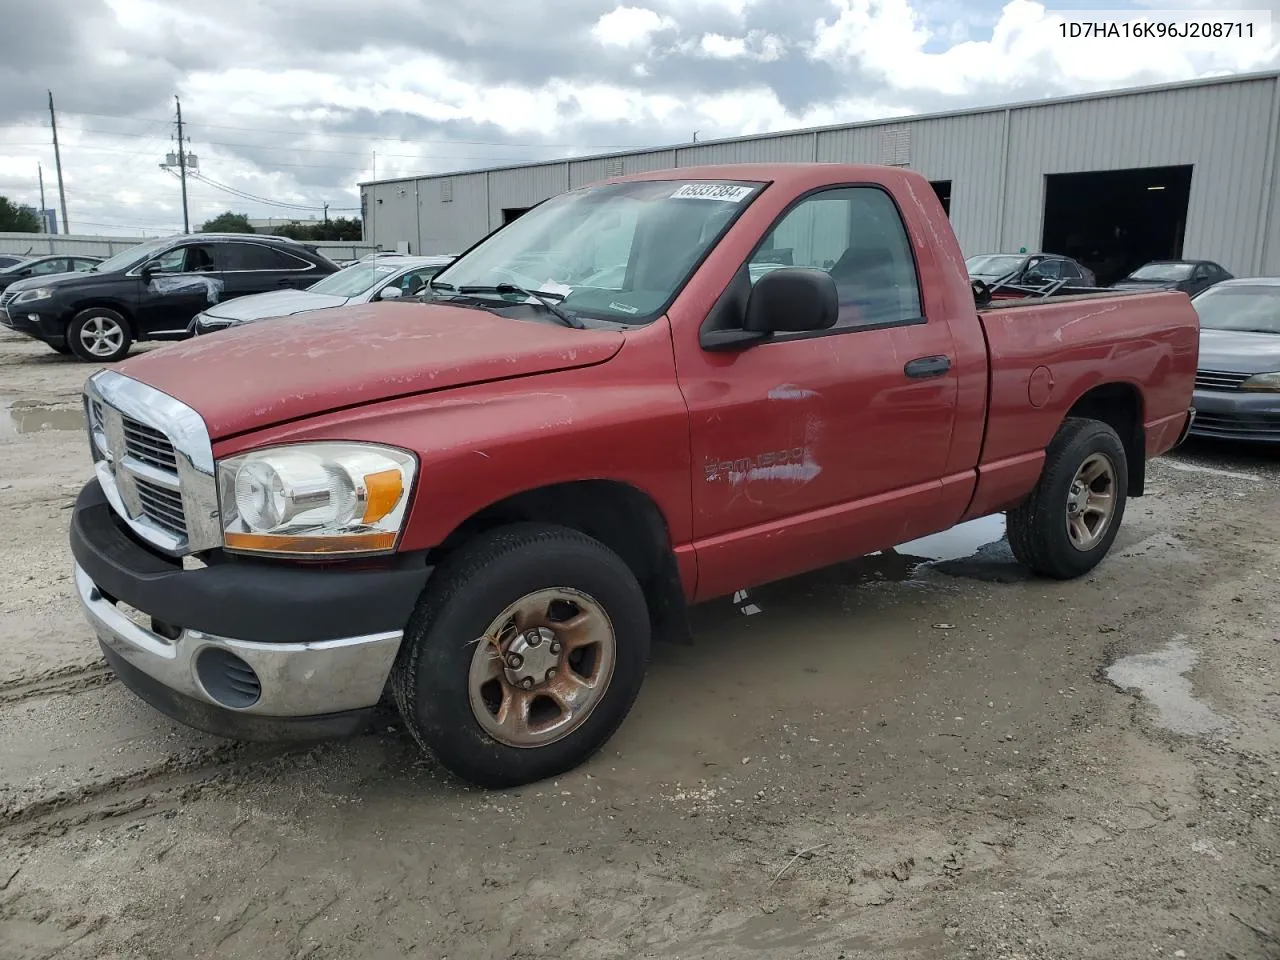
x: 1044, y: 531
x: 99, y: 335
x: 61, y: 348
x: 435, y: 678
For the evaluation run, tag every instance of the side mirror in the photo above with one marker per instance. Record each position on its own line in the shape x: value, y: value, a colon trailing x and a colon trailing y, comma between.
x: 792, y: 300
x: 147, y: 272
x: 390, y: 293
x: 785, y: 300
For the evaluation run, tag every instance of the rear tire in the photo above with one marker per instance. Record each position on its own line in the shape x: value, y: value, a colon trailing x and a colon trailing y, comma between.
x: 99, y: 335
x: 497, y: 727
x: 1068, y: 523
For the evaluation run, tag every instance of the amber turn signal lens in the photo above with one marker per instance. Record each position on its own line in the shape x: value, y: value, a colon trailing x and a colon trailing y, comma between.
x: 316, y: 546
x: 384, y: 490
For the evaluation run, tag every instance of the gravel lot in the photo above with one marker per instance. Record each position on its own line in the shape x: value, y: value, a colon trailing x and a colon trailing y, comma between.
x: 888, y: 759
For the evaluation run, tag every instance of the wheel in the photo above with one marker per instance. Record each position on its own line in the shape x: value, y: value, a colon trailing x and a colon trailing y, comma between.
x: 99, y: 335
x: 1067, y: 525
x: 61, y: 348
x: 524, y: 656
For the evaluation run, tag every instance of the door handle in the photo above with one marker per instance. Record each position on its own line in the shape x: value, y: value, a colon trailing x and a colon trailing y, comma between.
x: 923, y: 367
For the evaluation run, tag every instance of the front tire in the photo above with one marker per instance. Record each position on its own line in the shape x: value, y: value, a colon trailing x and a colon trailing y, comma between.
x: 99, y: 335
x: 1068, y: 523
x: 524, y: 656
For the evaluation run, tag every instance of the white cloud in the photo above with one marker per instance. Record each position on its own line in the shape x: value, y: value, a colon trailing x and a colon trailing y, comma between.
x: 299, y: 123
x: 887, y: 37
x: 629, y: 26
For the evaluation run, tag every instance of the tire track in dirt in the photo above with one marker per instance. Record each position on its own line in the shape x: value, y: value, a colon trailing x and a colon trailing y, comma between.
x: 73, y: 678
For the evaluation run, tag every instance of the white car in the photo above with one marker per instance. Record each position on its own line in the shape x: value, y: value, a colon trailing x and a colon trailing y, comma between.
x: 386, y: 277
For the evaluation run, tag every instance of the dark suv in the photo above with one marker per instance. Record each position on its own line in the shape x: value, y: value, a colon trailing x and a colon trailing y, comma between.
x: 151, y: 291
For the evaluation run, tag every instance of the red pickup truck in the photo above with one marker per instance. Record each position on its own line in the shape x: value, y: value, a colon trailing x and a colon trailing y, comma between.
x: 642, y: 394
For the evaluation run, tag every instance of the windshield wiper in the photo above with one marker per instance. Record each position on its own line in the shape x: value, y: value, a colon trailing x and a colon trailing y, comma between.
x: 546, y: 299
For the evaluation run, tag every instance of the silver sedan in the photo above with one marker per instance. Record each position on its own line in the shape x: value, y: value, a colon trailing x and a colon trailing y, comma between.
x: 1237, y: 395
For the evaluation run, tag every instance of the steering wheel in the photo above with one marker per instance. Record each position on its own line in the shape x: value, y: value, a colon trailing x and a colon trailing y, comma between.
x: 981, y: 292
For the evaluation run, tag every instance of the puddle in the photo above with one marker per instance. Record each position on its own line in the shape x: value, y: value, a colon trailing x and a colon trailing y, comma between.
x: 27, y: 417
x: 959, y: 543
x: 1160, y: 678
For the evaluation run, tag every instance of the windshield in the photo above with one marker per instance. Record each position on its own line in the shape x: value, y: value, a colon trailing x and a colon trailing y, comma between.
x: 992, y: 266
x: 133, y: 256
x: 355, y: 279
x: 1162, y: 271
x: 1245, y: 309
x: 618, y: 251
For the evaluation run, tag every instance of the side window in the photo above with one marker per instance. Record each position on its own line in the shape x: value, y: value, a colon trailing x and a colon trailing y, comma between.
x: 258, y: 256
x: 411, y: 283
x: 1070, y: 271
x: 1045, y: 270
x: 82, y: 266
x: 57, y: 265
x: 856, y: 235
x: 171, y: 261
x: 1201, y: 272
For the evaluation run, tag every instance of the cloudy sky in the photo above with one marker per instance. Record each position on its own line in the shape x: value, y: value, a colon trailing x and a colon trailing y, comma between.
x: 289, y: 101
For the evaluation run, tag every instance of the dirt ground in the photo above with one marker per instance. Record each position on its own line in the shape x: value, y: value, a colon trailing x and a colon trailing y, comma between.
x: 904, y: 757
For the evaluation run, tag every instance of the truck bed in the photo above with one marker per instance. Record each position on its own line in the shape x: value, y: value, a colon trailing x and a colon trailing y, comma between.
x: 1044, y: 354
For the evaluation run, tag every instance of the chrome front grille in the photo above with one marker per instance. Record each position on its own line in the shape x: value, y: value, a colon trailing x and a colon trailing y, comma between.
x: 154, y: 461
x: 7, y: 297
x: 1219, y: 380
x: 149, y: 445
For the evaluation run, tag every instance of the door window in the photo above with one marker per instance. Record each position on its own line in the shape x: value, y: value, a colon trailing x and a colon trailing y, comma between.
x: 194, y: 258
x: 1070, y: 271
x: 856, y: 235
x: 1201, y: 273
x: 257, y: 256
x: 411, y: 283
x: 57, y: 265
x: 80, y: 265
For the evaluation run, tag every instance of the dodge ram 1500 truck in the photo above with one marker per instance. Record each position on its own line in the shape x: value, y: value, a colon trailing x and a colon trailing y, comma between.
x: 643, y: 393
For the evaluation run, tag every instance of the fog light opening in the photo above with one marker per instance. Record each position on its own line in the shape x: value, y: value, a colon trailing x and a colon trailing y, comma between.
x: 227, y: 679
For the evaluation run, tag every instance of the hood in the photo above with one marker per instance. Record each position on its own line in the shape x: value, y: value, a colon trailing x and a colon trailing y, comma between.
x: 257, y: 375
x: 48, y: 280
x: 277, y: 303
x: 1234, y: 351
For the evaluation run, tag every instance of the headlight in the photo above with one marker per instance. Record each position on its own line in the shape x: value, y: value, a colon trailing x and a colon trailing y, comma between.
x: 1263, y: 383
x: 31, y: 296
x: 315, y: 499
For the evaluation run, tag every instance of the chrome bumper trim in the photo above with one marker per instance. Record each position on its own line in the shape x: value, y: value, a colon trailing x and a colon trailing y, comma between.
x: 297, y: 679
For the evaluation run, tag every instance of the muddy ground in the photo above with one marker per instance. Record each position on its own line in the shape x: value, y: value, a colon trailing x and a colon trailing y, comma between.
x: 898, y: 758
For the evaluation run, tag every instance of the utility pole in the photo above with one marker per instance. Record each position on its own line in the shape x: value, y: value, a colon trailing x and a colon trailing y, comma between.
x: 57, y: 159
x: 43, y: 209
x: 182, y: 168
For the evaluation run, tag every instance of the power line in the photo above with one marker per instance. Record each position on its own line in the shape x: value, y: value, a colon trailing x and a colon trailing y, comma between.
x: 366, y: 137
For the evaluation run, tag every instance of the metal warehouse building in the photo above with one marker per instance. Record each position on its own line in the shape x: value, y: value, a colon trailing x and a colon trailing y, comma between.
x: 1113, y: 179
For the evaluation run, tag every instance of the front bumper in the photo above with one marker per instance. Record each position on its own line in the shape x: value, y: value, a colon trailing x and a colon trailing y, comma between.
x: 1237, y: 415
x: 46, y: 325
x: 242, y: 649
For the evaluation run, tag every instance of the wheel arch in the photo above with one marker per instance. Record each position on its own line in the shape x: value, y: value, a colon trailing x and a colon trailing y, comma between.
x: 1121, y: 406
x: 621, y: 516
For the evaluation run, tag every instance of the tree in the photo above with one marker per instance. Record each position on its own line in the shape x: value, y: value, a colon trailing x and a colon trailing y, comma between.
x: 340, y: 228
x: 227, y: 223
x: 16, y: 219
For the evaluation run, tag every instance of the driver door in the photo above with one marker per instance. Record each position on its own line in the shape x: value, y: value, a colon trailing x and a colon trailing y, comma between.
x: 177, y: 289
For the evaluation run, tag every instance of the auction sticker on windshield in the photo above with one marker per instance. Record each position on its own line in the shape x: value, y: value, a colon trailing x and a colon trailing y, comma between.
x: 728, y: 192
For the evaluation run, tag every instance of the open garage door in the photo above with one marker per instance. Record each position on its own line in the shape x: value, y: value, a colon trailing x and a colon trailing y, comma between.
x: 943, y: 189
x: 1114, y: 221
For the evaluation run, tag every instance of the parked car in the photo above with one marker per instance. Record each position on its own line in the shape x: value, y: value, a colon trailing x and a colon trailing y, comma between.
x: 386, y: 278
x: 1028, y: 269
x: 1237, y: 393
x: 1189, y: 276
x: 9, y: 259
x: 506, y: 490
x: 44, y: 267
x: 152, y: 291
